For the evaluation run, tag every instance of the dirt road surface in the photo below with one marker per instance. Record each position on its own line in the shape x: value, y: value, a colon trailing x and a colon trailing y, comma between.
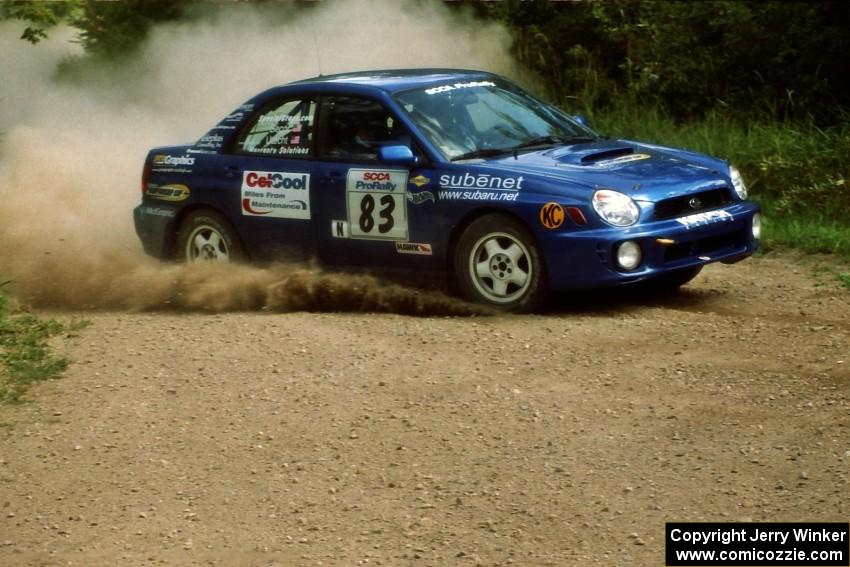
x: 359, y: 439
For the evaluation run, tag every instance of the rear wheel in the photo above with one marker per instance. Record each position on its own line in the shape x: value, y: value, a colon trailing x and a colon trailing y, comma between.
x: 206, y: 236
x: 497, y: 263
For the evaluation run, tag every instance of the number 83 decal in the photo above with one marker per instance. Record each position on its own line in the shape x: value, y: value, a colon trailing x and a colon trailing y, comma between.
x: 377, y: 208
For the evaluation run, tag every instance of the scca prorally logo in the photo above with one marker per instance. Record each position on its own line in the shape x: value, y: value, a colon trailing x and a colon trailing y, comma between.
x: 456, y: 86
x: 376, y: 176
x: 369, y: 180
x: 264, y: 180
x: 552, y: 215
x: 164, y: 159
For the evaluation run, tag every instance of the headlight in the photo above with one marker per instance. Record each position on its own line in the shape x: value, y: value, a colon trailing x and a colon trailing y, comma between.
x: 615, y: 208
x: 756, y: 226
x: 738, y: 182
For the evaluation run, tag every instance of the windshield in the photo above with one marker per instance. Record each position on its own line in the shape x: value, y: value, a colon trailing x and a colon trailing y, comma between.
x: 477, y: 119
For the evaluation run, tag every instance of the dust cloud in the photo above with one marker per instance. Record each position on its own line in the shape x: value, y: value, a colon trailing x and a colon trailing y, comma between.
x: 71, y: 152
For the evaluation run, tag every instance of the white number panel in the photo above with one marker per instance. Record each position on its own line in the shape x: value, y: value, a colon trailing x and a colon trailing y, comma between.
x: 377, y: 207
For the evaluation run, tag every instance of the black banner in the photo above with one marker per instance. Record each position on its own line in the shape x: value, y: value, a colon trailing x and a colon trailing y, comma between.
x: 757, y: 544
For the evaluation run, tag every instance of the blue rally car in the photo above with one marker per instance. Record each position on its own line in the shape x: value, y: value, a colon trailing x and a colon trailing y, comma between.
x: 442, y: 170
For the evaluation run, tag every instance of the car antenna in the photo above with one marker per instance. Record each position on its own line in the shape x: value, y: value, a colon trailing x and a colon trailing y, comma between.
x: 316, y: 43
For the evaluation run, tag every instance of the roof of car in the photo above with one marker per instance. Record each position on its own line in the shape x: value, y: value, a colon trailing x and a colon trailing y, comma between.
x: 397, y: 79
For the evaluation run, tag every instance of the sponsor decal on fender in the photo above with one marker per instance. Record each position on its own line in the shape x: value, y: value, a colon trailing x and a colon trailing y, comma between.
x: 413, y: 248
x: 167, y: 160
x: 481, y: 181
x: 478, y: 195
x: 159, y: 212
x: 420, y: 180
x: 173, y: 192
x: 276, y: 194
x: 420, y: 197
x: 552, y: 215
x: 701, y: 219
x: 621, y: 160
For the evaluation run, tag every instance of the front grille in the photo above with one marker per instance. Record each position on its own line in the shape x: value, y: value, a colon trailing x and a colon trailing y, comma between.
x: 706, y: 246
x: 692, y: 203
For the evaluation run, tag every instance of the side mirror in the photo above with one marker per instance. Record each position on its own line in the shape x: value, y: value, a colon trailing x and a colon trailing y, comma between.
x: 397, y: 154
x: 581, y: 120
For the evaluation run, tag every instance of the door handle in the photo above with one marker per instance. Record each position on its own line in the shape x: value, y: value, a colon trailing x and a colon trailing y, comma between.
x: 231, y: 170
x: 335, y: 173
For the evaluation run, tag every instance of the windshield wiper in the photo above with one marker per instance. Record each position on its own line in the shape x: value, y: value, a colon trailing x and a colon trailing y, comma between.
x: 483, y: 152
x: 542, y: 141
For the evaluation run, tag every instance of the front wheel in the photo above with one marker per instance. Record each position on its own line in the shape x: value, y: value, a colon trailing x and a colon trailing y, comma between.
x: 497, y: 263
x: 206, y: 236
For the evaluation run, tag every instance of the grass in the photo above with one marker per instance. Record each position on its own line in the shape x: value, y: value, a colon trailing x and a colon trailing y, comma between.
x: 798, y: 171
x: 25, y: 356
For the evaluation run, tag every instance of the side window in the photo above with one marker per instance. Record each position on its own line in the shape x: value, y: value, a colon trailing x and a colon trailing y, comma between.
x: 282, y: 129
x: 354, y: 128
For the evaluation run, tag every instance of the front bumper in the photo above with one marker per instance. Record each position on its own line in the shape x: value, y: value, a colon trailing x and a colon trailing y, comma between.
x: 587, y: 258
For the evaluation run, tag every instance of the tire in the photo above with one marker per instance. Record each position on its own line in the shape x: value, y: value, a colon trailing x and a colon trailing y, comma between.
x: 497, y: 263
x: 673, y: 280
x: 206, y: 236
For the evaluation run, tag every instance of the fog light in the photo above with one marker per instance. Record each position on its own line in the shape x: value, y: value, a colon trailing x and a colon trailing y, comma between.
x: 628, y: 255
x: 756, y: 226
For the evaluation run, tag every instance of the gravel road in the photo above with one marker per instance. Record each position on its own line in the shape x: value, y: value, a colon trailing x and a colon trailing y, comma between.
x: 371, y: 439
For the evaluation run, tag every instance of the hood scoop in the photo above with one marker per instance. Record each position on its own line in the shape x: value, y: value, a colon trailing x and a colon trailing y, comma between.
x: 606, y: 155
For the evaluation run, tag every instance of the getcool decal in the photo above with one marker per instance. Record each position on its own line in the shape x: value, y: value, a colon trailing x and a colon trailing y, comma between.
x: 413, y: 248
x: 621, y: 160
x: 552, y: 215
x: 171, y: 192
x: 276, y: 194
x: 700, y: 219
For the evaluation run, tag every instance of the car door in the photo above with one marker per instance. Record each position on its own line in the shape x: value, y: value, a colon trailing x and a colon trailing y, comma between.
x: 367, y: 216
x: 271, y: 172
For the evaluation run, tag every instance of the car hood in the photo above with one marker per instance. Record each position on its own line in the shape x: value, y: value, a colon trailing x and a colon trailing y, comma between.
x: 642, y: 171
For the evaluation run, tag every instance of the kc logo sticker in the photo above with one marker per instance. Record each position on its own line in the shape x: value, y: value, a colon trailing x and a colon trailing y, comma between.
x: 551, y: 215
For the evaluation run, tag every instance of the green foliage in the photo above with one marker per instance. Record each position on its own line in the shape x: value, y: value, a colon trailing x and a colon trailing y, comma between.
x: 106, y: 29
x: 40, y: 16
x: 24, y: 354
x: 781, y: 58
